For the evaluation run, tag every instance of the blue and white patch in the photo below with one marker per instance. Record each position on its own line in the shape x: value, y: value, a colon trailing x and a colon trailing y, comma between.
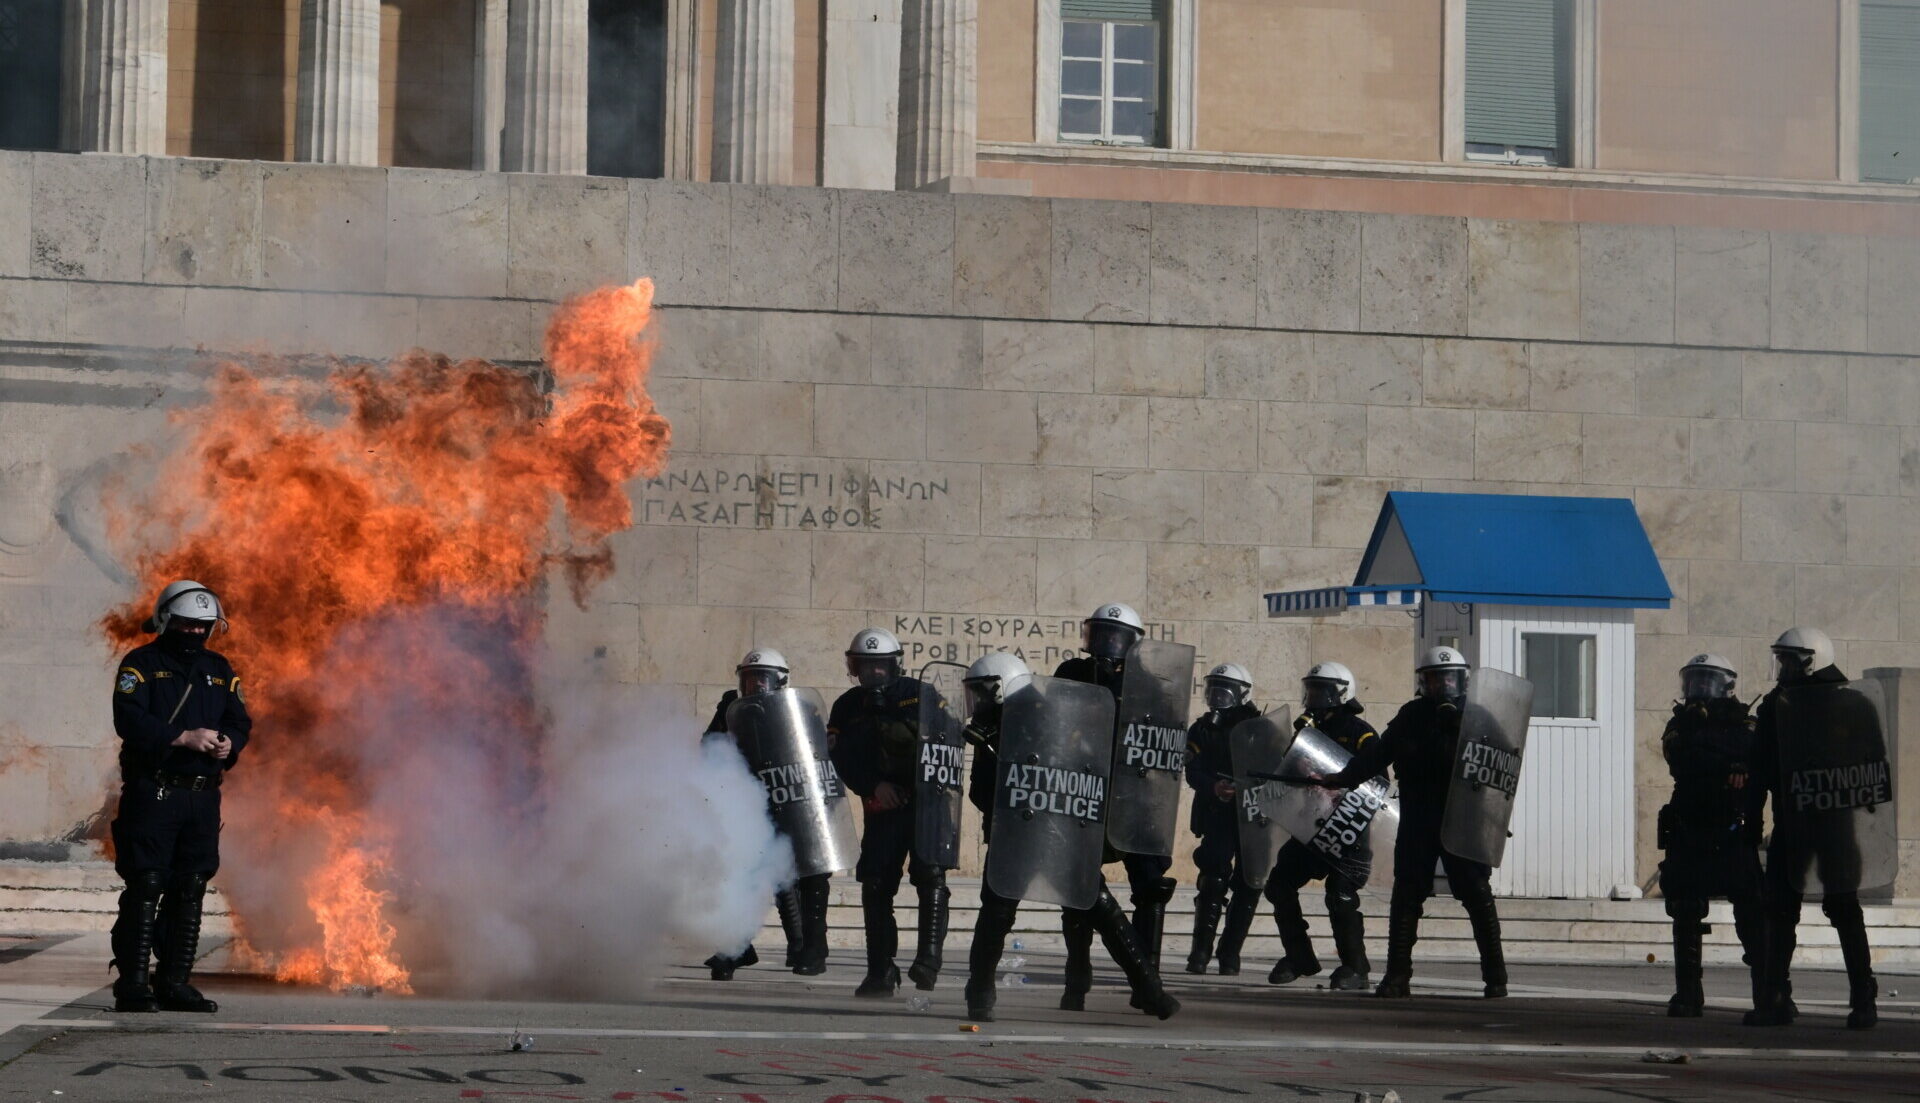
x: 128, y: 680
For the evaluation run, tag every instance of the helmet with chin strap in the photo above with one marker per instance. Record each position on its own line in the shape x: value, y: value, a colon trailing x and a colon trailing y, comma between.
x: 1228, y: 686
x: 186, y: 600
x: 765, y: 663
x: 1111, y: 630
x: 874, y: 657
x: 988, y: 681
x: 1326, y: 685
x: 1707, y: 676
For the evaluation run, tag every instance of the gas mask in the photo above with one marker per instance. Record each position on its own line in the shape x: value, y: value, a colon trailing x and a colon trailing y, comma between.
x: 187, y: 636
x: 1109, y: 641
x: 1445, y: 686
x: 1701, y: 684
x: 1320, y: 696
x: 873, y: 672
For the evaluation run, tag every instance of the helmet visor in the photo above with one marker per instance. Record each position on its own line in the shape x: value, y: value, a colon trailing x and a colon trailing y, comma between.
x: 1318, y: 694
x: 1443, y: 683
x: 1702, y: 683
x: 1791, y: 663
x: 873, y: 671
x: 756, y: 680
x: 1222, y: 694
x: 1106, y: 640
x: 983, y: 700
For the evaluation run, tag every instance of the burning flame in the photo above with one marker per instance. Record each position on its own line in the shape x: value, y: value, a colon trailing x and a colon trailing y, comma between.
x: 322, y: 510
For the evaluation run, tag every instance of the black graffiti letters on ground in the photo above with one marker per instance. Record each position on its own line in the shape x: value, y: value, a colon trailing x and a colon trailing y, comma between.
x: 941, y: 764
x: 1346, y: 826
x: 1839, y: 788
x: 1153, y: 747
x: 1490, y: 766
x: 801, y: 782
x: 1056, y: 791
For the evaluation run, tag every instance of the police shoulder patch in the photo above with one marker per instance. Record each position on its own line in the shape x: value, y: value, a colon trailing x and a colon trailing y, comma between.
x: 129, y: 678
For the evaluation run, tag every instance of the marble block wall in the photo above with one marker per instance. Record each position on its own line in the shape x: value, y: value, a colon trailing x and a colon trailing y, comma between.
x: 971, y: 418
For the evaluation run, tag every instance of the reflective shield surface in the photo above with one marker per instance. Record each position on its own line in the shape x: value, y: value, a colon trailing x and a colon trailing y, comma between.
x: 940, y: 774
x: 1050, y: 798
x: 1486, y: 766
x: 784, y: 736
x: 1344, y: 827
x: 1835, y: 821
x: 1257, y: 746
x: 1150, y: 747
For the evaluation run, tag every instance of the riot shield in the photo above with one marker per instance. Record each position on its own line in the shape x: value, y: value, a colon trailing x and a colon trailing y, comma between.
x: 1351, y: 829
x: 1256, y: 747
x: 1150, y: 747
x: 1486, y: 766
x: 940, y: 775
x: 784, y: 735
x: 1834, y: 808
x: 1050, y: 799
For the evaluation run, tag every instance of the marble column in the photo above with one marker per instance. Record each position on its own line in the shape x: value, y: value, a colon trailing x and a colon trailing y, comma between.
x: 753, y: 93
x: 337, y: 108
x: 118, y: 100
x: 939, y: 111
x: 546, y: 124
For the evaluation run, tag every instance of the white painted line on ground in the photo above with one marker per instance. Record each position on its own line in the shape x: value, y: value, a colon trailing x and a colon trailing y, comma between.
x: 1454, y: 1049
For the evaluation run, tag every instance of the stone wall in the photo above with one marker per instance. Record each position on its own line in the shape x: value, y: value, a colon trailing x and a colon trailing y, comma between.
x: 971, y: 418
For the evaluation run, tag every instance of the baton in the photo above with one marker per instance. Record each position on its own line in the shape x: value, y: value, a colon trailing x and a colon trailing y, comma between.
x: 1290, y: 779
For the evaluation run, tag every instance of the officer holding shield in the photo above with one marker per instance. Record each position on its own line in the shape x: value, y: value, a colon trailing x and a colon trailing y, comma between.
x: 764, y: 670
x: 1328, y: 705
x: 1214, y: 820
x: 875, y: 733
x: 1822, y: 755
x: 1421, y: 743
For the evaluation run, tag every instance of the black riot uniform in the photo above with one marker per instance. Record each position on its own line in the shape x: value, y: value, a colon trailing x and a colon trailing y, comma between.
x: 875, y: 735
x: 1146, y: 873
x: 1793, y: 838
x: 789, y: 902
x: 166, y: 837
x: 1420, y: 744
x: 997, y: 912
x: 1710, y: 832
x: 1216, y: 824
x: 1296, y: 865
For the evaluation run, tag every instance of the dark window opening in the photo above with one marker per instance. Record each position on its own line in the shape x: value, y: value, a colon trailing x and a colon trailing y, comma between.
x: 30, y: 51
x: 626, y: 87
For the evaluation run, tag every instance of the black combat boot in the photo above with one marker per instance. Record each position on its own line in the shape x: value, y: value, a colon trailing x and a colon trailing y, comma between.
x: 721, y: 967
x: 1851, y: 926
x: 1403, y: 930
x: 180, y: 915
x: 132, y: 940
x: 1234, y: 935
x: 1774, y: 1005
x: 883, y: 939
x: 1131, y: 956
x: 787, y: 903
x: 1349, y: 941
x: 983, y: 959
x: 813, y: 892
x: 1210, y: 898
x: 1076, y: 929
x: 1485, y: 919
x: 1150, y: 916
x: 925, y: 970
x: 1689, y: 998
x: 1298, y: 959
x: 1750, y: 923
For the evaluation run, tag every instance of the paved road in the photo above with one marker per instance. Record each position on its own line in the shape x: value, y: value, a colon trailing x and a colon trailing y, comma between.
x: 1567, y: 1033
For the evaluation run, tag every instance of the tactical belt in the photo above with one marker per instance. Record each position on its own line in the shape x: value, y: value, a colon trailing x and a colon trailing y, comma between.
x: 194, y: 782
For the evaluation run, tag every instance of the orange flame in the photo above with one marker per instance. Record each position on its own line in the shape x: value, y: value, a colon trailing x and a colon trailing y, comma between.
x: 432, y: 484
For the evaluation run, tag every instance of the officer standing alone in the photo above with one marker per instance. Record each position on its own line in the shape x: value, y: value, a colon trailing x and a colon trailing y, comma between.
x: 182, y: 722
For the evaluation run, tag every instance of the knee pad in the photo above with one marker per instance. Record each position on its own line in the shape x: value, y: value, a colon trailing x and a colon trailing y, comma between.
x: 1342, y: 903
x: 1684, y: 908
x: 147, y: 885
x: 931, y: 879
x: 189, y: 887
x: 1843, y: 908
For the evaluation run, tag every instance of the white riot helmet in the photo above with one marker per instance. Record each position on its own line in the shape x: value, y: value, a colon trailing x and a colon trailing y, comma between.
x: 1326, y: 686
x: 1707, y: 676
x: 1228, y: 686
x: 1801, y: 651
x: 991, y: 677
x: 190, y: 608
x: 763, y: 670
x: 873, y: 658
x: 1110, y: 631
x: 1442, y: 675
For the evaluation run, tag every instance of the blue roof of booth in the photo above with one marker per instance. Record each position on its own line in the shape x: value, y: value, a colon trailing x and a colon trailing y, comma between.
x: 1515, y: 549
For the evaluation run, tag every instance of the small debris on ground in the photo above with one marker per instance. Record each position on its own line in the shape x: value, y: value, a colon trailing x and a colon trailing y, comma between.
x: 1665, y: 1057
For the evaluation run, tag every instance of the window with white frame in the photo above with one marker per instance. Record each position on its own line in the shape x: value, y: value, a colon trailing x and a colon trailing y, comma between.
x: 1110, y: 72
x: 1561, y: 668
x: 1890, y: 92
x: 1519, y: 65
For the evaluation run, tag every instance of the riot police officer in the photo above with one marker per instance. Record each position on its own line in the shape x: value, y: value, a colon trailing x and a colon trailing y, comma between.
x: 1328, y: 704
x: 1421, y: 744
x: 875, y: 733
x: 182, y: 721
x: 988, y: 682
x: 764, y: 670
x: 1209, y: 769
x: 1710, y: 830
x: 1106, y: 636
x: 1825, y: 719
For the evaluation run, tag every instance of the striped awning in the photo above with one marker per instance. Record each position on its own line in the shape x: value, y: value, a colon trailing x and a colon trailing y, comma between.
x: 1325, y: 601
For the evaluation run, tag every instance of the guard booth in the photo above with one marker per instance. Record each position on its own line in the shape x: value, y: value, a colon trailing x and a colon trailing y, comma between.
x: 1542, y: 587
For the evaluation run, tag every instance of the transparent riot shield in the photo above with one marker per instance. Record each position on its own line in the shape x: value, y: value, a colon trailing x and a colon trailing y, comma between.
x: 1486, y: 765
x: 1835, y: 822
x: 784, y: 735
x: 1150, y: 747
x: 1352, y: 829
x: 1050, y: 798
x: 940, y: 775
x: 1256, y: 747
